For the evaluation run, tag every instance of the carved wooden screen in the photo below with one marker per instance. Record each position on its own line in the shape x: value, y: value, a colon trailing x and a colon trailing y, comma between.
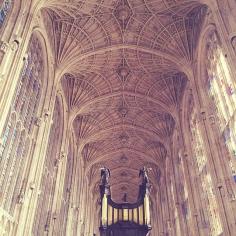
x: 137, y: 213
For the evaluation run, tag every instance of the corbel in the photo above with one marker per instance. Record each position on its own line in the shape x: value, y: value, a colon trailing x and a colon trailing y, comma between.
x: 60, y: 158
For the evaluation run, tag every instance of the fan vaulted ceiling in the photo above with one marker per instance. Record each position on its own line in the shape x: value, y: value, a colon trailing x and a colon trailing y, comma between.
x: 122, y: 64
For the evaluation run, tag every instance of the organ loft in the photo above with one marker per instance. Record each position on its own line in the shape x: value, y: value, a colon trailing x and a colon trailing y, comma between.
x: 117, y: 117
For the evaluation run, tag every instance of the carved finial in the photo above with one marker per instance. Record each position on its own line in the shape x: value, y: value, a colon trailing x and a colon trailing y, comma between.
x: 144, y: 173
x: 125, y: 197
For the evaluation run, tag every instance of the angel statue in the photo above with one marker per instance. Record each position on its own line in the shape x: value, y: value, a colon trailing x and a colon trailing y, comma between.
x: 144, y: 173
x: 105, y: 174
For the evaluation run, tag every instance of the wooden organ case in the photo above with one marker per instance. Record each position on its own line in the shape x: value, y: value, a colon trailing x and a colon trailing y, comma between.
x: 125, y: 219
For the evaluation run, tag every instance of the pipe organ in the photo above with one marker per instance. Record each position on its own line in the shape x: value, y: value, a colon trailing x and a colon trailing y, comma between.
x: 131, y: 219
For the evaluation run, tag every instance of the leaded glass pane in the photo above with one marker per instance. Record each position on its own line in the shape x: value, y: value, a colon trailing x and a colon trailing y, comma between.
x: 13, y: 151
x: 4, y: 10
x: 221, y: 88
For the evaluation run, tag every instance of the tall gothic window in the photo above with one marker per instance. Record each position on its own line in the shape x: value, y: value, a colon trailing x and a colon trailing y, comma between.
x: 4, y: 10
x: 205, y: 179
x: 222, y: 90
x: 17, y: 134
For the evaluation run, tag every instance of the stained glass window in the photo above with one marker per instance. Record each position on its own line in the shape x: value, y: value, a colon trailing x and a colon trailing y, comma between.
x: 17, y: 133
x: 200, y: 157
x: 209, y: 197
x: 212, y: 207
x: 4, y: 10
x: 222, y: 90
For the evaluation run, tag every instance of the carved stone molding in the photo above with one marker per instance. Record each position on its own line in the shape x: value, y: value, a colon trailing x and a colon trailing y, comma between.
x: 14, y: 45
x: 233, y: 43
x: 4, y: 46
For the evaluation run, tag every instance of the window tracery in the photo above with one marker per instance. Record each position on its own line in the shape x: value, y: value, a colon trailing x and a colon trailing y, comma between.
x: 212, y: 207
x: 222, y: 91
x: 65, y: 202
x: 4, y: 10
x: 17, y: 133
x: 208, y: 196
x: 200, y: 156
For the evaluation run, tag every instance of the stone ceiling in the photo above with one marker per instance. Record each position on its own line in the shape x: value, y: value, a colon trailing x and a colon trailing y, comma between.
x: 122, y: 64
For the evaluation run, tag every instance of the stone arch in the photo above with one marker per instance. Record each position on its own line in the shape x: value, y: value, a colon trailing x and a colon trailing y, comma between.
x: 45, y: 62
x: 201, y: 69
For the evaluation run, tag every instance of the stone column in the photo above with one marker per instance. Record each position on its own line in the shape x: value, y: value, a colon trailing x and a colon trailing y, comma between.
x: 165, y: 201
x: 59, y: 187
x: 158, y: 209
x: 82, y: 204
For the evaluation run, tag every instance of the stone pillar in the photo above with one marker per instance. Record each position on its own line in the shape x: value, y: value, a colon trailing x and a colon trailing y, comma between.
x: 160, y: 210
x: 164, y: 201
x: 82, y: 204
x: 59, y: 187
